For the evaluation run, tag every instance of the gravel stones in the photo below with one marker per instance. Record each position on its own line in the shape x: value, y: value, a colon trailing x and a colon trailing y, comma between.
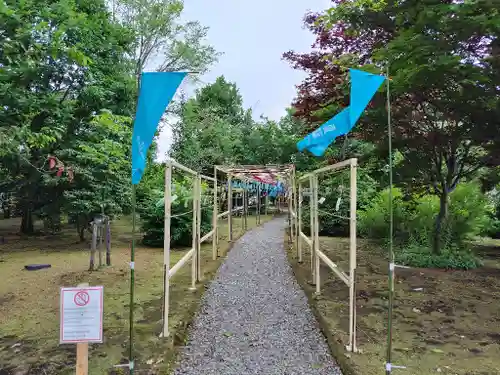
x: 255, y: 318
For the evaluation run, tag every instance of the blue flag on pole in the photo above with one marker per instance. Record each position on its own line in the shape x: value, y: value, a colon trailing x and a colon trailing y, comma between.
x: 156, y: 91
x: 363, y: 86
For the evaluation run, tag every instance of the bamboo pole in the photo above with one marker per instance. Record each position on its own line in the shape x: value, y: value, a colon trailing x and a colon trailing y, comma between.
x: 391, y: 275
x: 194, y: 241
x: 312, y: 223
x: 257, y: 217
x: 132, y: 286
x: 214, y: 219
x: 266, y: 202
x: 295, y: 207
x: 352, y: 256
x: 289, y: 200
x: 299, y: 214
x: 166, y: 246
x: 198, y: 230
x: 244, y: 201
x: 230, y: 206
x: 316, y: 237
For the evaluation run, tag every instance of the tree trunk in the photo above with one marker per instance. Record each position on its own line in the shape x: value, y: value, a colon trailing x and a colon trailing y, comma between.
x: 440, y: 218
x: 6, y: 212
x: 27, y: 226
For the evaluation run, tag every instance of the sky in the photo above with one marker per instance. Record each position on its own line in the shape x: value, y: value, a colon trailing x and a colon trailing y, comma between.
x: 253, y: 35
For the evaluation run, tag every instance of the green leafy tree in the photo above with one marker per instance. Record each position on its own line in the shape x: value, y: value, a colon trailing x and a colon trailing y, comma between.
x: 100, y: 157
x: 443, y: 58
x: 163, y: 42
x: 61, y: 62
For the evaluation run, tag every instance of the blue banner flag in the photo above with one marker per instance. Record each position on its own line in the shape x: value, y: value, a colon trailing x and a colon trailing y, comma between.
x: 156, y: 91
x: 363, y: 86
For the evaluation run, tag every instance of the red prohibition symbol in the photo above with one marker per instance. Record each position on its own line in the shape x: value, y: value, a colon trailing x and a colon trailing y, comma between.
x: 81, y: 298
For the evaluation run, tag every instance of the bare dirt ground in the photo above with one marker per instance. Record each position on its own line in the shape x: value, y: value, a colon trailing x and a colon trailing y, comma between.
x: 29, y: 301
x: 445, y: 322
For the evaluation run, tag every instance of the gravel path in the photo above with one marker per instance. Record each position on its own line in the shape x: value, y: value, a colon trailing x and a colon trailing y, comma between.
x: 255, y: 318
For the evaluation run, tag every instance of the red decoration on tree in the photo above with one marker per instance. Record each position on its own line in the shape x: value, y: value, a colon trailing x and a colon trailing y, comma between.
x: 52, y: 162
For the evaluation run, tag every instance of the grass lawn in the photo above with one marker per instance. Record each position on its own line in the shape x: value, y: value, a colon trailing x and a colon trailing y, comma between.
x: 445, y: 322
x: 29, y: 301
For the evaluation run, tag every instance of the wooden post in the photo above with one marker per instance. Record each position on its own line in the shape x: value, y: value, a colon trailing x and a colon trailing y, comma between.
x: 100, y: 233
x: 214, y: 220
x: 166, y: 246
x: 82, y: 351
x: 108, y: 242
x: 93, y: 246
x: 230, y: 207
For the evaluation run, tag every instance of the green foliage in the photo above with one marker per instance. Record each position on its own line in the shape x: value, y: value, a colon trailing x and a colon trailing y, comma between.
x: 152, y: 211
x: 160, y: 35
x: 373, y: 221
x: 214, y: 128
x: 100, y: 158
x: 468, y: 216
x: 493, y: 229
x: 416, y: 255
x: 414, y: 222
x: 62, y: 61
x: 443, y: 61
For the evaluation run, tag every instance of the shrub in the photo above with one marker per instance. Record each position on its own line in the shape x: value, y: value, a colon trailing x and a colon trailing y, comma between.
x: 468, y: 216
x: 493, y: 227
x: 416, y: 255
x: 152, y: 214
x: 373, y: 221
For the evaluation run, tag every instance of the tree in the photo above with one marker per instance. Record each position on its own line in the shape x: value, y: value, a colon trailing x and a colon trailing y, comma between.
x: 210, y: 128
x: 61, y: 62
x: 444, y: 86
x: 162, y: 42
x: 100, y: 156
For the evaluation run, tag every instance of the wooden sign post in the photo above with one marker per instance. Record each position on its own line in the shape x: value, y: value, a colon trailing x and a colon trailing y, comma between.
x: 81, y: 321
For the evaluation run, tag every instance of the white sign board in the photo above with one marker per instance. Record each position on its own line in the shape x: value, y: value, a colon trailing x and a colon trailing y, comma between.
x: 81, y: 314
